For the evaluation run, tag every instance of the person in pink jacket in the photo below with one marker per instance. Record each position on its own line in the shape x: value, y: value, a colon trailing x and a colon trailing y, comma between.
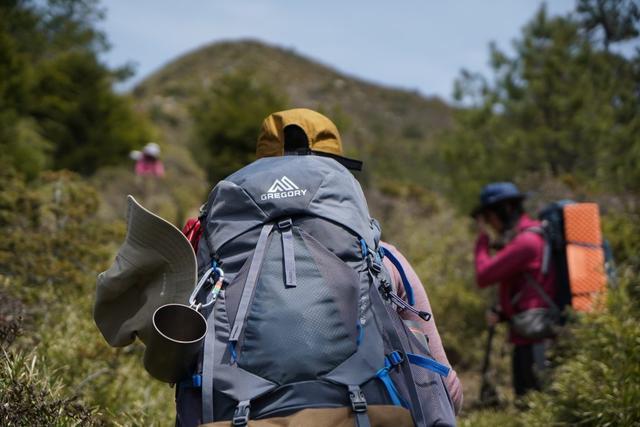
x: 148, y: 161
x: 511, y: 262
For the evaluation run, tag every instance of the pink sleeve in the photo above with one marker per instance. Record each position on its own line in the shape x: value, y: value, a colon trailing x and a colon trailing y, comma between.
x: 139, y: 167
x: 428, y: 328
x: 159, y: 168
x: 506, y: 263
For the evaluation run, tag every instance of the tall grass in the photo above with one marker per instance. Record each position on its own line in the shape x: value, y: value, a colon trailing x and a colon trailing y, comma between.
x: 53, y: 246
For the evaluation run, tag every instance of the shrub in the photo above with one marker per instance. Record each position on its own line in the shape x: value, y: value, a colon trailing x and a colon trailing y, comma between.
x: 29, y: 399
x: 598, y: 379
x: 51, y: 224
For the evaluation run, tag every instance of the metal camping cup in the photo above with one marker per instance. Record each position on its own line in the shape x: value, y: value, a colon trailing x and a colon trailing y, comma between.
x: 178, y: 331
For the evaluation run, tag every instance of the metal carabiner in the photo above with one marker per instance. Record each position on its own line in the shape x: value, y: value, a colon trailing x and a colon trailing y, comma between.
x: 216, y: 271
x: 217, y: 287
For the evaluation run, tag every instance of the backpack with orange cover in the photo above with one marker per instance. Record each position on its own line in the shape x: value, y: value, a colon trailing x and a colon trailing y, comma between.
x: 581, y: 257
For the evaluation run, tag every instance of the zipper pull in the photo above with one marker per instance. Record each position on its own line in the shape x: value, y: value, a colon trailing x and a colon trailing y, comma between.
x: 387, y: 293
x: 404, y: 305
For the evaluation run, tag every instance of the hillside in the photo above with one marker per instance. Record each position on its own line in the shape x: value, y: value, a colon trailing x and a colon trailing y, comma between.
x: 370, y: 117
x: 306, y: 82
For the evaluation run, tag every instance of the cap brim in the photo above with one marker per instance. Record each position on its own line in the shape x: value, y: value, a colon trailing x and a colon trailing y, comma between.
x: 480, y: 208
x: 351, y: 164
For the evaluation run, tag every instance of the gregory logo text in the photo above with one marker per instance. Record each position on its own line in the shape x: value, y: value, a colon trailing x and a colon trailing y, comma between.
x: 283, y: 188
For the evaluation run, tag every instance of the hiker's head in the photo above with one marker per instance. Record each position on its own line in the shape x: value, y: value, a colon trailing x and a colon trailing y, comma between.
x: 296, y: 130
x: 152, y: 150
x: 296, y: 140
x: 301, y: 131
x: 500, y: 205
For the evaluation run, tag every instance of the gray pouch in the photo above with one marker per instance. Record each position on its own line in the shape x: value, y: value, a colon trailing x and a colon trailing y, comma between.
x: 536, y: 323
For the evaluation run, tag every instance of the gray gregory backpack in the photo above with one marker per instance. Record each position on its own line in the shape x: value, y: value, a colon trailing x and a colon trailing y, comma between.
x: 307, y: 317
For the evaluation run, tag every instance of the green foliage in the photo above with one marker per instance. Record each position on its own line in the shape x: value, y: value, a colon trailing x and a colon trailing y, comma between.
x: 598, y: 380
x: 227, y: 122
x: 29, y: 398
x: 491, y: 418
x: 52, y: 224
x: 561, y: 105
x: 11, y: 318
x: 25, y: 149
x: 615, y: 19
x: 622, y: 229
x: 176, y: 197
x: 57, y: 106
x: 88, y: 124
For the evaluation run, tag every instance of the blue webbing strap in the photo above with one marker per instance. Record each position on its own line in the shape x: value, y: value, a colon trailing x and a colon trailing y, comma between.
x: 405, y: 281
x: 428, y: 363
x: 383, y: 375
x: 363, y: 248
x: 232, y: 352
x: 360, y: 333
x: 194, y: 382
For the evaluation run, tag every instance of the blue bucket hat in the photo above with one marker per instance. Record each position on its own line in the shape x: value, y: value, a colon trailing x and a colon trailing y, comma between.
x: 496, y: 192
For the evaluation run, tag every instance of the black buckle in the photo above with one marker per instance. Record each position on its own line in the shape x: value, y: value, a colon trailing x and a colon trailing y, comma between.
x: 285, y: 224
x: 375, y: 267
x: 358, y: 402
x: 241, y: 415
x: 385, y: 288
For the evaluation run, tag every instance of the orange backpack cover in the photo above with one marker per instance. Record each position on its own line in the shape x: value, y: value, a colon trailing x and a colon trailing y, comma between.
x: 585, y: 255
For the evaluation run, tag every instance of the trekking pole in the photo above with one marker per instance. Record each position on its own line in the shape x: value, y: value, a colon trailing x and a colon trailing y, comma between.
x: 487, y: 350
x: 488, y: 392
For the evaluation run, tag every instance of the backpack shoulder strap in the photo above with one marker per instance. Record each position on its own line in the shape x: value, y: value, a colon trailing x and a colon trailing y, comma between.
x: 408, y: 289
x: 538, y: 229
x: 534, y: 283
x: 546, y: 255
x: 545, y: 296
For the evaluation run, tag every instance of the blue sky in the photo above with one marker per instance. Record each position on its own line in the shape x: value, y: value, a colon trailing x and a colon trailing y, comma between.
x: 412, y: 44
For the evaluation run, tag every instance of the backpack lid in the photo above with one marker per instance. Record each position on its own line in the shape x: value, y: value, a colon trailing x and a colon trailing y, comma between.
x: 277, y: 187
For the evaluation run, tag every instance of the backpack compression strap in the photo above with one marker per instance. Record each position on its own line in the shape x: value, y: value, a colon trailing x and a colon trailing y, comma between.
x: 250, y: 284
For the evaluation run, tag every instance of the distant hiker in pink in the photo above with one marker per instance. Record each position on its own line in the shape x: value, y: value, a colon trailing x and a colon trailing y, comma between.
x: 148, y: 161
x: 514, y: 262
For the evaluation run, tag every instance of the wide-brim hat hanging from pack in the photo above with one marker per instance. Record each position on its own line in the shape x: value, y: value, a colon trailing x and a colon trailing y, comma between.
x: 155, y: 266
x: 497, y: 192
